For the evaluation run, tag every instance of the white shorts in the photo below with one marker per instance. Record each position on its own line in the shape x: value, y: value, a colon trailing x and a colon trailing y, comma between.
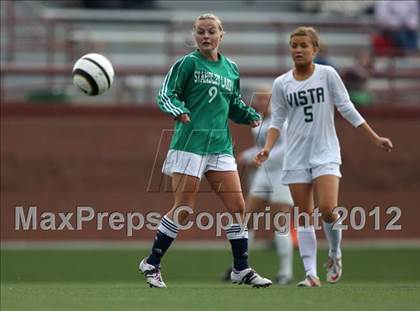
x: 267, y: 185
x: 308, y: 175
x: 192, y: 164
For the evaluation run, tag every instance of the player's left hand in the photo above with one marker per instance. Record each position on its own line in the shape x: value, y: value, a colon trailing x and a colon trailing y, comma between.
x: 384, y: 143
x: 183, y: 118
x: 261, y: 157
x: 255, y: 123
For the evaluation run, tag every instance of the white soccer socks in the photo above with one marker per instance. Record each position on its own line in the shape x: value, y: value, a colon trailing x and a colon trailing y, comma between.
x: 284, y: 249
x: 334, y: 239
x: 308, y: 249
x: 334, y: 264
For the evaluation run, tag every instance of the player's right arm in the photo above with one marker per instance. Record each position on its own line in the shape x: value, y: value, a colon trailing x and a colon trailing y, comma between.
x: 278, y: 117
x: 247, y: 156
x: 169, y: 97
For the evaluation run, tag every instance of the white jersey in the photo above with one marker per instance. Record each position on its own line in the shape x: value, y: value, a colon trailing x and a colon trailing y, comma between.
x: 266, y: 182
x: 309, y: 108
x: 275, y: 161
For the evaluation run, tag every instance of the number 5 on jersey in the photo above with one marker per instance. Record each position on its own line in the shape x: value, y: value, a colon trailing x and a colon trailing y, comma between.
x: 309, y: 116
x: 212, y: 93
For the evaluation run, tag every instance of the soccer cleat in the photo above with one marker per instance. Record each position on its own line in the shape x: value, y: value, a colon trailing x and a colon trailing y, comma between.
x: 250, y: 277
x: 334, y: 269
x: 310, y: 281
x: 152, y: 274
x: 282, y: 279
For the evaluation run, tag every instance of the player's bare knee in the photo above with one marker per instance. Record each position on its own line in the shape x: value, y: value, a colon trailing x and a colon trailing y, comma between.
x: 181, y: 213
x: 183, y: 218
x: 328, y: 215
x: 305, y: 216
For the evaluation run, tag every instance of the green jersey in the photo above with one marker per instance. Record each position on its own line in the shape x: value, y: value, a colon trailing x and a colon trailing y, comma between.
x: 209, y: 92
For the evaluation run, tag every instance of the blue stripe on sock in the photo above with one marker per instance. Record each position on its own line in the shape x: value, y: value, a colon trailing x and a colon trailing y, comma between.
x: 169, y: 223
x: 174, y: 232
x: 236, y: 227
x: 169, y: 229
x: 236, y: 230
x: 169, y: 226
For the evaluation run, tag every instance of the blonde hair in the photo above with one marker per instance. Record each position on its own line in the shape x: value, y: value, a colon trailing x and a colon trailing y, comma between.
x: 306, y: 31
x: 209, y: 16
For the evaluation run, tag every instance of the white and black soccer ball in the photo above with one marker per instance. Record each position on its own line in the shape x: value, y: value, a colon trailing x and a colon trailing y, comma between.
x: 93, y: 74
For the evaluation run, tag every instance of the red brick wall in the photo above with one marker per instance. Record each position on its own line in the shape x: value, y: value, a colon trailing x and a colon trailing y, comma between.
x: 58, y: 158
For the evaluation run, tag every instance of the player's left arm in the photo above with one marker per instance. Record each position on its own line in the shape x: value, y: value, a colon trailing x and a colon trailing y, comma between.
x: 240, y: 113
x: 247, y: 156
x: 346, y: 108
x: 382, y: 142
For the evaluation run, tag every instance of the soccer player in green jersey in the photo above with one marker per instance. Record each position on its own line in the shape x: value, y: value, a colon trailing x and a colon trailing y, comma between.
x: 201, y: 91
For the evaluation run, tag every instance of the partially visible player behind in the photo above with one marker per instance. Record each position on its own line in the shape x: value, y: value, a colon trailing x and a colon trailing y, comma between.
x: 306, y: 97
x: 266, y: 189
x: 201, y: 91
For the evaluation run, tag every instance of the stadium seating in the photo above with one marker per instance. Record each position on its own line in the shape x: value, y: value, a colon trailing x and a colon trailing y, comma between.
x: 143, y: 44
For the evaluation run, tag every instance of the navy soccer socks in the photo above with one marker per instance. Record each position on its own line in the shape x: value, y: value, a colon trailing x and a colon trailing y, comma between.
x: 238, y: 238
x: 167, y: 232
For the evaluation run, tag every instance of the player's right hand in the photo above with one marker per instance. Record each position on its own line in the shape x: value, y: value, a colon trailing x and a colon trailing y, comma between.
x: 183, y: 118
x: 262, y: 156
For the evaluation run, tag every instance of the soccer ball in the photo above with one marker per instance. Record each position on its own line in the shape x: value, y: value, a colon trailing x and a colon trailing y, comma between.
x: 93, y: 74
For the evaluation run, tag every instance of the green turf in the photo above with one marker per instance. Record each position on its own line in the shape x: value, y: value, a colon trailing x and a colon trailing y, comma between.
x: 108, y: 280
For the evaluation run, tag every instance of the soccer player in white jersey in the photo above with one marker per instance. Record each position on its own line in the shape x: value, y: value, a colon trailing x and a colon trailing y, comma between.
x: 306, y: 96
x: 266, y: 190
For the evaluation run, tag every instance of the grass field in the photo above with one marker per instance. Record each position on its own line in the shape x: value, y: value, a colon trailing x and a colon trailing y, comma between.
x: 374, y: 279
